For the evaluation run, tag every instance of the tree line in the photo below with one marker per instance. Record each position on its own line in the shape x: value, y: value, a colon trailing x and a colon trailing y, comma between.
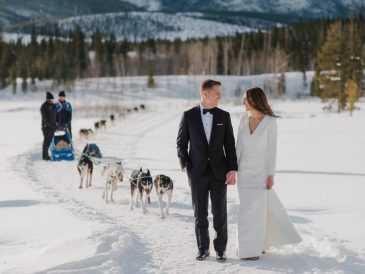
x: 318, y: 45
x: 339, y: 70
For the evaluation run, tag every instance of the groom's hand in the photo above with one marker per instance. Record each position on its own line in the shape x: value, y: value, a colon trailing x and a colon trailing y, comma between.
x: 231, y: 178
x: 269, y: 182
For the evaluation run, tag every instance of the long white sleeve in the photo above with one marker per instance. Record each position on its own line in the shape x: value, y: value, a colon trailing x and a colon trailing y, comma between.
x: 239, y: 147
x: 272, y: 147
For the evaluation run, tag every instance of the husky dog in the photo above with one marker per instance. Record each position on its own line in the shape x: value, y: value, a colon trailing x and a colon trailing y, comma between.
x: 96, y: 126
x: 86, y: 133
x: 141, y: 186
x: 85, y: 168
x: 113, y: 173
x: 102, y: 125
x: 164, y: 185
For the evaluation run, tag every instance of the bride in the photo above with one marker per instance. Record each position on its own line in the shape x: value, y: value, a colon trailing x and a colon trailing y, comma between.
x: 262, y: 219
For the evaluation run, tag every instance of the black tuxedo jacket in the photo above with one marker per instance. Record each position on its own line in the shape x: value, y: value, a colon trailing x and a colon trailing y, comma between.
x: 193, y: 149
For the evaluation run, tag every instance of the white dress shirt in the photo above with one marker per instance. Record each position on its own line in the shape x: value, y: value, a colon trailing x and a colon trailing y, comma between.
x: 207, y: 120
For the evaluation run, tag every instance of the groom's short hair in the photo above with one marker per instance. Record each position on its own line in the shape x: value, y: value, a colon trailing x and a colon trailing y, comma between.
x: 208, y: 84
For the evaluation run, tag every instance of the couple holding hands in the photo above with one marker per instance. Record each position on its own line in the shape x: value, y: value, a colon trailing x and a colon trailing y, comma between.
x: 212, y: 160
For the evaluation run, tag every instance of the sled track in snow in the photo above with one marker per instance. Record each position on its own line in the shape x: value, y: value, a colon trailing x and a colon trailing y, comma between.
x: 131, y: 242
x: 117, y: 242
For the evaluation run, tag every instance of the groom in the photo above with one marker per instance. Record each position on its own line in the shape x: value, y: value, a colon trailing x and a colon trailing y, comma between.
x: 210, y: 163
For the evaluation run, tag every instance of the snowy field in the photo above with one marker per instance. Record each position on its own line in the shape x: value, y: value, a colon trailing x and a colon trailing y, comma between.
x: 48, y: 225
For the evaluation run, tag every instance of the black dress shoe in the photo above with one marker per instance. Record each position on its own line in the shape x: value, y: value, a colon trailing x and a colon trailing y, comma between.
x: 251, y: 258
x: 202, y: 255
x: 221, y: 256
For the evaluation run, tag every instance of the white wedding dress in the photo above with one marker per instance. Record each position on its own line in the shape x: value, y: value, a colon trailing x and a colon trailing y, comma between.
x: 262, y: 220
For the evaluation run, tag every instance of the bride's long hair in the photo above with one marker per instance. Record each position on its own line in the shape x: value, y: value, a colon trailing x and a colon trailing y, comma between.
x: 257, y: 100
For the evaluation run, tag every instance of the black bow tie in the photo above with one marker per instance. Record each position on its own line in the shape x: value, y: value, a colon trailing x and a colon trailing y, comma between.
x: 211, y: 111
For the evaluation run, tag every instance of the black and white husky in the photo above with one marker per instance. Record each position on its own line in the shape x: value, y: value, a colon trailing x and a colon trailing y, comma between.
x: 164, y: 185
x: 113, y: 173
x: 141, y: 186
x: 85, y: 168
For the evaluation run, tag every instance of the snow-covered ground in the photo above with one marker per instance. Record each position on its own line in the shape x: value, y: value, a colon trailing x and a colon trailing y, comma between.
x: 48, y: 225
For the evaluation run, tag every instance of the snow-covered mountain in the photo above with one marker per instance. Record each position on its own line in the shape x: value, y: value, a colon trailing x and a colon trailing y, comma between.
x: 167, y: 19
x: 307, y: 8
x: 138, y: 26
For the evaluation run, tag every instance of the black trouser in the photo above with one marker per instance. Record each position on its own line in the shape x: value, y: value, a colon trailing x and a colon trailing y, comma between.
x: 47, y: 139
x: 201, y: 187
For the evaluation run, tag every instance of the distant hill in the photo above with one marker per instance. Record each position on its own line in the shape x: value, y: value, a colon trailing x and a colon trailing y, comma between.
x: 166, y: 19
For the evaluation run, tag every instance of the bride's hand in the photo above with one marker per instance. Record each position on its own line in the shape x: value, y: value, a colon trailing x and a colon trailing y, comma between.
x: 269, y: 182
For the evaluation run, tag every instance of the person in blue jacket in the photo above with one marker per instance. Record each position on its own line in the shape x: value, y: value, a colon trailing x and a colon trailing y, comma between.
x: 64, y: 111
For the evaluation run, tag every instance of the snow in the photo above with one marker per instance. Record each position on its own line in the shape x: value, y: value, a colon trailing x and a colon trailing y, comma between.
x: 288, y: 6
x: 150, y: 5
x: 35, y: 231
x: 281, y: 5
x: 139, y: 26
x: 51, y: 226
x: 12, y: 37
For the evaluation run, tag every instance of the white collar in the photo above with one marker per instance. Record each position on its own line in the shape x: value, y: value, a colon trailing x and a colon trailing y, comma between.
x: 203, y: 107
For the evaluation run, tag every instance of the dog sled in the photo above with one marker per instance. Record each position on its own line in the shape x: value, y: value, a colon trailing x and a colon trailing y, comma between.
x: 61, y: 147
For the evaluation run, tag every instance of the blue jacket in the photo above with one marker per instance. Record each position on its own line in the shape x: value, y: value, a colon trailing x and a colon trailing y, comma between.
x: 64, y: 114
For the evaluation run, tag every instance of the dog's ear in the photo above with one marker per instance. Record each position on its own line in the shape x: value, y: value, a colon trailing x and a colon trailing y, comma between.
x: 148, y: 172
x: 140, y: 170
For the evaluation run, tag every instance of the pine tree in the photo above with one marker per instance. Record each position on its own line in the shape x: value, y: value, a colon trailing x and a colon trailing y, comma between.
x: 111, y: 47
x: 353, y: 67
x: 352, y: 92
x: 98, y: 46
x: 24, y: 76
x: 151, y: 80
x: 220, y: 57
x: 177, y: 45
x: 33, y: 36
x: 13, y: 77
x: 281, y: 84
x: 339, y: 62
x: 124, y: 48
x: 33, y: 73
x: 56, y: 31
x: 330, y: 65
x: 151, y: 44
x: 4, y: 65
x: 80, y: 53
